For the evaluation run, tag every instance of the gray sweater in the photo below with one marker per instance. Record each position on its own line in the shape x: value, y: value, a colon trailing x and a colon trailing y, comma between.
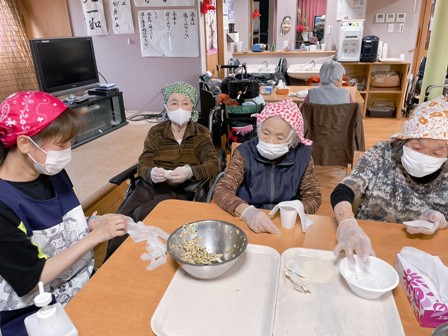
x: 328, y: 94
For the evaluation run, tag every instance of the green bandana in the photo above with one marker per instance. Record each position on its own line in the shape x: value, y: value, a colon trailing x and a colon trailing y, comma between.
x: 180, y: 87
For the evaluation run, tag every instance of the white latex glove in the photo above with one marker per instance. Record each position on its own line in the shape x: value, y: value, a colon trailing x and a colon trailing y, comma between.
x: 181, y: 174
x: 258, y: 221
x: 158, y: 175
x: 436, y: 218
x: 351, y: 237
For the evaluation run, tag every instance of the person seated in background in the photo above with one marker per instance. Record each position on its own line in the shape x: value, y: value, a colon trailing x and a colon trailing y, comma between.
x: 44, y: 234
x: 273, y: 167
x: 176, y: 152
x: 329, y: 92
x: 403, y: 179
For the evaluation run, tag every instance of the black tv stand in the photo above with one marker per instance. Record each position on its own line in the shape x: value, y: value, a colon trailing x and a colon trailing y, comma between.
x: 101, y: 115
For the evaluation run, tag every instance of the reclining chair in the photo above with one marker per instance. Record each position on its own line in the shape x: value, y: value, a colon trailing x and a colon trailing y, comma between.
x: 196, y: 191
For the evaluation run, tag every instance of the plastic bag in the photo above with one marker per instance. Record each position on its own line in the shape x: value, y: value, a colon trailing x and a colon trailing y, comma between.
x: 156, y: 249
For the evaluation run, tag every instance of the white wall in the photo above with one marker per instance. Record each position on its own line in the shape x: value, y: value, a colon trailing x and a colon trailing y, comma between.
x: 399, y: 43
x: 140, y: 78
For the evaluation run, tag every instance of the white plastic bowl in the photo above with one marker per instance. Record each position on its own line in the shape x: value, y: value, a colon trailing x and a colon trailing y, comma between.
x: 369, y: 282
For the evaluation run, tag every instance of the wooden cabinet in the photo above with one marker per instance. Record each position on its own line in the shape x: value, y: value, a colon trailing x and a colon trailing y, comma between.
x: 364, y: 71
x: 101, y: 115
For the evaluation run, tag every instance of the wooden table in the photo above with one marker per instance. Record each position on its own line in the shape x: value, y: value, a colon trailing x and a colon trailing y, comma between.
x: 122, y: 296
x: 274, y: 97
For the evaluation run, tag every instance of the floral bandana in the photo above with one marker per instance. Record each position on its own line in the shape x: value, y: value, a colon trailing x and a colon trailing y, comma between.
x: 180, y: 87
x: 289, y: 112
x: 429, y: 120
x: 27, y: 113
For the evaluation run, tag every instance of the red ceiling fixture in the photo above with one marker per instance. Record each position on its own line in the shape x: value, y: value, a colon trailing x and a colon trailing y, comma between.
x: 256, y: 14
x: 206, y: 6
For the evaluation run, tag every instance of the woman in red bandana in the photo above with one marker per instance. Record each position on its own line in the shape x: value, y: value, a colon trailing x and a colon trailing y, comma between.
x: 44, y: 235
x: 273, y: 167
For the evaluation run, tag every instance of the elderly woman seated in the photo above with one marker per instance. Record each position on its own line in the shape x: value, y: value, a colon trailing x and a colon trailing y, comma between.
x: 400, y: 180
x: 176, y: 152
x: 329, y: 92
x: 273, y: 167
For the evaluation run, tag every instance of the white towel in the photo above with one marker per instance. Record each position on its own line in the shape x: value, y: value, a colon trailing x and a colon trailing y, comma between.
x: 304, y: 219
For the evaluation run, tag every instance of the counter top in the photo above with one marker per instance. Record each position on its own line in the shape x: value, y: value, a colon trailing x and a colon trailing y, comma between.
x: 95, y: 162
x: 285, y: 53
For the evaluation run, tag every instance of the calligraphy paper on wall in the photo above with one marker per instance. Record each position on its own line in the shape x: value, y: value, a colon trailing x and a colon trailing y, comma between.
x: 120, y: 11
x: 164, y: 3
x: 210, y: 31
x: 170, y: 33
x: 94, y: 19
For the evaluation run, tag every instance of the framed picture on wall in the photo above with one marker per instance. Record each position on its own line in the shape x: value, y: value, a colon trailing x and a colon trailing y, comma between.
x: 317, y: 20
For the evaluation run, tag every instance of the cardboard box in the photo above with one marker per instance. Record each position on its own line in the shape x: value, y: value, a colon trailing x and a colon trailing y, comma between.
x: 385, y: 79
x: 382, y: 110
x: 428, y: 309
x: 282, y: 92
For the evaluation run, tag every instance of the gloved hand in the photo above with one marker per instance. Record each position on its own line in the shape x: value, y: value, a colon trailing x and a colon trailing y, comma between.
x: 158, y: 175
x: 351, y: 237
x: 258, y: 221
x: 181, y: 174
x: 435, y: 217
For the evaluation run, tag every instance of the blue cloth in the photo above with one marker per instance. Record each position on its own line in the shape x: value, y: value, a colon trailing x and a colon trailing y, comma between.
x: 266, y: 184
x: 38, y: 214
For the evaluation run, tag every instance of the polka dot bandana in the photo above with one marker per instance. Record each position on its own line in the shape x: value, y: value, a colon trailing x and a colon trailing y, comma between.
x: 180, y: 87
x: 289, y: 112
x: 428, y: 120
x: 27, y: 113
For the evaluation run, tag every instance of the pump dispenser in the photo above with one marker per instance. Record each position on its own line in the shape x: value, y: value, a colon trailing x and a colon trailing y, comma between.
x: 50, y: 320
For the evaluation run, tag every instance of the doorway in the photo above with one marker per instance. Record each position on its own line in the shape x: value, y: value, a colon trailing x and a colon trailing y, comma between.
x: 424, y: 33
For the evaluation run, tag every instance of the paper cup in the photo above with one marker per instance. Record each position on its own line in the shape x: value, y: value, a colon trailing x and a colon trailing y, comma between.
x: 322, y: 46
x: 239, y: 46
x: 288, y: 217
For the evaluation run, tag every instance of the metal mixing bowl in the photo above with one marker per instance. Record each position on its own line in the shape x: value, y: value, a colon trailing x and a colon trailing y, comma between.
x: 211, y: 236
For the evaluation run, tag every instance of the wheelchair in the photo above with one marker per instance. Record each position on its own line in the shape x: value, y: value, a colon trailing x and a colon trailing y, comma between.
x: 196, y: 191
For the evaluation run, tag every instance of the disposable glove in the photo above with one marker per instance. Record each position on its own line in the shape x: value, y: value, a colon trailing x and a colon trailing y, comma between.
x: 155, y: 247
x: 158, y: 175
x: 436, y: 218
x: 181, y: 174
x: 258, y: 221
x: 351, y: 237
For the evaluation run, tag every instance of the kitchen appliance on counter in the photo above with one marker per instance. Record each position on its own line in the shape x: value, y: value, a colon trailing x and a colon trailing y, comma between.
x: 350, y: 39
x: 369, y: 48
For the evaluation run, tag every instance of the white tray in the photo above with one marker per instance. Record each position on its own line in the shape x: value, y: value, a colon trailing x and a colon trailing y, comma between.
x: 331, y: 308
x: 241, y: 302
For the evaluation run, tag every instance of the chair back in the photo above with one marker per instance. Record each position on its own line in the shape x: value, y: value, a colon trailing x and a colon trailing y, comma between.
x: 336, y: 131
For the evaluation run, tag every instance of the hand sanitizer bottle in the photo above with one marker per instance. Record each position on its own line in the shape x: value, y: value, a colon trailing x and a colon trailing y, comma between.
x: 49, y: 320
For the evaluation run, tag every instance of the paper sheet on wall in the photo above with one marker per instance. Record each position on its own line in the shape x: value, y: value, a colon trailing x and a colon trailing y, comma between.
x: 210, y: 31
x: 351, y: 9
x: 121, y: 14
x: 94, y: 19
x: 170, y: 33
x: 164, y: 3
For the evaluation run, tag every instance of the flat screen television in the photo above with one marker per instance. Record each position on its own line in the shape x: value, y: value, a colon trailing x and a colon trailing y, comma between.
x: 64, y: 65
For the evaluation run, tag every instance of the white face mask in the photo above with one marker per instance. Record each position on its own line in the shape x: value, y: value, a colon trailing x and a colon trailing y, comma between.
x: 418, y: 164
x: 55, y: 161
x: 272, y: 151
x: 179, y: 116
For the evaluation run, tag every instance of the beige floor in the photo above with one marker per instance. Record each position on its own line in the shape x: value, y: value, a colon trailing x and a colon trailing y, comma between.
x: 95, y: 162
